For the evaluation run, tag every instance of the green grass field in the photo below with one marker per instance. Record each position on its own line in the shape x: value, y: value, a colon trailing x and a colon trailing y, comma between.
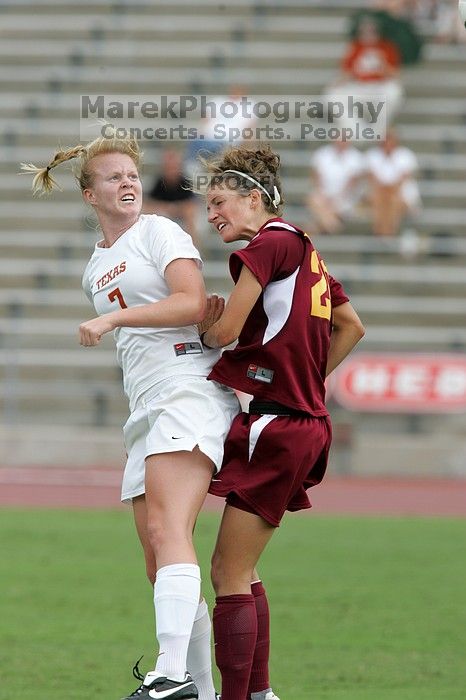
x: 362, y: 608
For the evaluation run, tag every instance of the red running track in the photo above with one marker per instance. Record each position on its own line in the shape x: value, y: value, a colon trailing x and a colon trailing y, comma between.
x: 100, y: 488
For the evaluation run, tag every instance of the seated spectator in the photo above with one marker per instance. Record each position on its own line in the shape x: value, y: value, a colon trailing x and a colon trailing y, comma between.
x: 336, y: 171
x: 394, y: 192
x: 371, y: 68
x: 171, y: 195
x: 448, y: 23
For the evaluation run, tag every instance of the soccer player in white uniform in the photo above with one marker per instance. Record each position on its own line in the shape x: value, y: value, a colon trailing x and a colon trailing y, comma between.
x: 145, y: 282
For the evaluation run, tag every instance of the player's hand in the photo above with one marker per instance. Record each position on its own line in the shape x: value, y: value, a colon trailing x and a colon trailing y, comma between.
x: 91, y: 332
x: 215, y: 307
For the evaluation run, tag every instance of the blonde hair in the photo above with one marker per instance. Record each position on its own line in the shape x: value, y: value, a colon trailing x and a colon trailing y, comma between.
x: 259, y: 163
x: 43, y: 182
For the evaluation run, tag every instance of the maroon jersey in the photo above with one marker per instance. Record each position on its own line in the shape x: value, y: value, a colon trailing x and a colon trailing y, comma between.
x: 282, y: 350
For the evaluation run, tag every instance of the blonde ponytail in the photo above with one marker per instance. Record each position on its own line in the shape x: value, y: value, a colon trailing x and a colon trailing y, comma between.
x: 43, y: 183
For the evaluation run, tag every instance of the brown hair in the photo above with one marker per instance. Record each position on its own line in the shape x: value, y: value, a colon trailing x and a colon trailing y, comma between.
x: 260, y: 163
x: 44, y: 183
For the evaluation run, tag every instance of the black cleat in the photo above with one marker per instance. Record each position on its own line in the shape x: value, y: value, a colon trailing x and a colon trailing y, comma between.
x: 155, y: 686
x: 161, y: 687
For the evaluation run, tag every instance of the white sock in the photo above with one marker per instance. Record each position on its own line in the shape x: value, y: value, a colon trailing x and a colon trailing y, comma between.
x: 176, y: 599
x: 262, y: 695
x: 199, y: 653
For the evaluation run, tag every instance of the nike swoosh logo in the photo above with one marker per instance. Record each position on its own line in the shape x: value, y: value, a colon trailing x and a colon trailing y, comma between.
x: 166, y: 693
x: 178, y: 438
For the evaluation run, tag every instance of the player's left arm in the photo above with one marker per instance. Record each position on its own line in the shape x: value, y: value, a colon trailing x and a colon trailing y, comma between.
x: 237, y: 309
x: 185, y: 305
x: 346, y: 333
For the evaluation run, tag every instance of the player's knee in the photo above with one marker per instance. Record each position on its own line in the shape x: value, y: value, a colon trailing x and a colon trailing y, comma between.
x: 228, y: 576
x: 221, y: 572
x: 158, y: 534
x: 166, y: 534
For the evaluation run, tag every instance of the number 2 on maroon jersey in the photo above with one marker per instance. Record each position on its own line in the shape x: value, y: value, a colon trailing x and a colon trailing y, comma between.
x: 116, y: 294
x: 322, y: 310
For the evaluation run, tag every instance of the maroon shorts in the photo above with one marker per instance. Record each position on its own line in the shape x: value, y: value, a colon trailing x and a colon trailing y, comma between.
x: 270, y: 461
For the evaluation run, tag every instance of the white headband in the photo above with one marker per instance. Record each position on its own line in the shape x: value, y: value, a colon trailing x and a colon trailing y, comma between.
x: 276, y: 194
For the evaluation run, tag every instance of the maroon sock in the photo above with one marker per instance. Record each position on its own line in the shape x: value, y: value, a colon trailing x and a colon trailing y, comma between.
x: 235, y: 633
x: 259, y: 679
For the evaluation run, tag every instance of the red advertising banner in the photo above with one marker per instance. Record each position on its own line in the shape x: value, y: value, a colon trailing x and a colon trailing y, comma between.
x: 402, y: 383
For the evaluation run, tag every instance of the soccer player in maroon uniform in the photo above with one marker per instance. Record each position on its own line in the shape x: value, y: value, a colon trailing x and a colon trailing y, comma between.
x: 294, y: 325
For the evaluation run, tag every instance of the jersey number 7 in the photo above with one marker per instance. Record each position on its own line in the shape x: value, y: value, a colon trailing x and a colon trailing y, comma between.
x: 116, y: 294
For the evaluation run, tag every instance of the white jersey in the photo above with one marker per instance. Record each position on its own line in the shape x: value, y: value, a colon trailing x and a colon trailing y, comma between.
x: 337, y: 167
x: 131, y: 273
x: 390, y: 168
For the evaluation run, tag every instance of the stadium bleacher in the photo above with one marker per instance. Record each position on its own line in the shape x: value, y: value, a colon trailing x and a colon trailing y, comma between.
x: 52, y: 51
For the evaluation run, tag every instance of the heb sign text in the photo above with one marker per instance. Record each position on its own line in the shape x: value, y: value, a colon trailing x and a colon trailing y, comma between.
x: 415, y: 383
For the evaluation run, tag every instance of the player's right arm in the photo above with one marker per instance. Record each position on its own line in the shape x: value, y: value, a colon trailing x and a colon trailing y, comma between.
x: 185, y: 305
x: 227, y: 329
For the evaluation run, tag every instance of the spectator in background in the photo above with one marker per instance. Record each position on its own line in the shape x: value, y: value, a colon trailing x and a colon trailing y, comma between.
x: 394, y: 192
x: 371, y: 67
x: 449, y: 25
x: 171, y: 195
x: 336, y: 172
x: 229, y: 121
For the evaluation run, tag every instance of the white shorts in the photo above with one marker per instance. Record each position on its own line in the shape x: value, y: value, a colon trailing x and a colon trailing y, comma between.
x: 178, y: 414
